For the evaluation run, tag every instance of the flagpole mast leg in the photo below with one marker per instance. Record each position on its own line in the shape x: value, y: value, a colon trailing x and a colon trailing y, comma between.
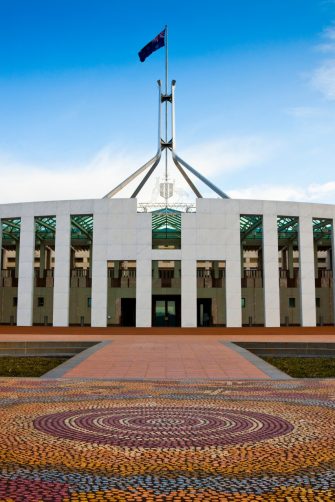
x: 166, y: 105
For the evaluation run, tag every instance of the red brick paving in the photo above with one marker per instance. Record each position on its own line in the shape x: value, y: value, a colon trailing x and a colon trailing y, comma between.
x: 171, y: 353
x: 166, y: 356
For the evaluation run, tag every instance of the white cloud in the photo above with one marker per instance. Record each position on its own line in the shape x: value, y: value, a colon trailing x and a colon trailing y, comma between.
x: 22, y: 182
x: 109, y: 167
x: 323, y: 193
x: 304, y: 112
x: 328, y: 36
x: 323, y: 77
x: 228, y: 154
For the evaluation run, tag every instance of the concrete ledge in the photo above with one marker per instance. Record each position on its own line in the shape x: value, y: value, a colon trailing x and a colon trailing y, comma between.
x: 60, y: 371
x: 268, y: 369
x: 283, y: 331
x: 287, y: 349
x: 44, y: 348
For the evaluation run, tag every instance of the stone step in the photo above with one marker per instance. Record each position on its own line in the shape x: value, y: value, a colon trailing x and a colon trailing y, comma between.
x: 43, y: 348
x: 286, y: 349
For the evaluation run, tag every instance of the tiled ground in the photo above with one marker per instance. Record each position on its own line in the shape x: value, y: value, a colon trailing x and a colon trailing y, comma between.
x: 74, y: 440
x: 165, y: 356
x: 166, y: 353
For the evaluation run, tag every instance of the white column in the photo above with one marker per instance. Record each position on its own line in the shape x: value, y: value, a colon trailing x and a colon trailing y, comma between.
x: 189, y: 293
x: 189, y: 270
x: 270, y: 271
x: 333, y: 266
x: 307, y: 280
x: 233, y: 294
x: 62, y: 270
x: 1, y: 266
x: 26, y: 272
x: 99, y: 271
x: 233, y: 273
x: 143, y: 292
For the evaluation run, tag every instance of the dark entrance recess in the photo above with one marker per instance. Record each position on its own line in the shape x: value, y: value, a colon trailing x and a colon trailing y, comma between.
x: 166, y: 310
x: 128, y: 311
x: 204, y: 312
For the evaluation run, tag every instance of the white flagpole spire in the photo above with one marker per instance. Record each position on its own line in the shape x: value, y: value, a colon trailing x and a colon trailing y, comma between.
x: 166, y: 59
x: 166, y: 104
x: 164, y: 144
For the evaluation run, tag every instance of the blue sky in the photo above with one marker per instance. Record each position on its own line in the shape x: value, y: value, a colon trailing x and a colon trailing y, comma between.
x: 255, y: 96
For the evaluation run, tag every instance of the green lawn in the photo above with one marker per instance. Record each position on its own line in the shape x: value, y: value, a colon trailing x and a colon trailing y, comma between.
x: 304, y: 367
x: 28, y: 366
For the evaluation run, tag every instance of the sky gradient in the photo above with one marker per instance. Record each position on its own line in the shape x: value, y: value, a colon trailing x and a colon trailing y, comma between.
x: 255, y: 95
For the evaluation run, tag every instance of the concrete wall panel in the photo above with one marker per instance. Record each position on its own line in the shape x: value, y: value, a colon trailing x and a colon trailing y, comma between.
x: 26, y: 271
x: 307, y: 271
x: 121, y: 233
x: 62, y: 270
x: 270, y: 271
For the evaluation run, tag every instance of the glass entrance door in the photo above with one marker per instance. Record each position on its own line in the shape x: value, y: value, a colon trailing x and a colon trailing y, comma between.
x: 160, y: 312
x: 166, y: 311
x: 204, y: 312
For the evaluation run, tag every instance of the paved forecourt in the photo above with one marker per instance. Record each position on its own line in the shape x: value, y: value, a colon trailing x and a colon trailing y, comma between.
x: 161, y: 422
x: 70, y: 440
x: 166, y: 353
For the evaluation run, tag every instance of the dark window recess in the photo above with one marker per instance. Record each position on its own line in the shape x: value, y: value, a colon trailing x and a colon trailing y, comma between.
x: 40, y: 301
x: 318, y: 302
x: 15, y: 301
x: 243, y: 303
x: 89, y: 302
x: 291, y: 302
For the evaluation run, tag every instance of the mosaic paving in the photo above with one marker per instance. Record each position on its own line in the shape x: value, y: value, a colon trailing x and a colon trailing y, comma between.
x: 77, y: 441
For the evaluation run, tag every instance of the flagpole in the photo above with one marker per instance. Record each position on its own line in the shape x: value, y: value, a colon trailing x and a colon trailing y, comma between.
x: 166, y: 59
x: 166, y: 108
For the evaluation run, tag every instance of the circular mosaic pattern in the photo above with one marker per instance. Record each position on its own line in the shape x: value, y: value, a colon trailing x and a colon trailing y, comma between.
x: 254, y: 454
x: 163, y: 427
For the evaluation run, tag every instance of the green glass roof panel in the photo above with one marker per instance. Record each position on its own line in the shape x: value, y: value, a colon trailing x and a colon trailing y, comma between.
x: 251, y: 226
x: 166, y: 224
x: 322, y: 229
x: 288, y: 227
x: 45, y: 228
x: 11, y: 229
x: 82, y: 227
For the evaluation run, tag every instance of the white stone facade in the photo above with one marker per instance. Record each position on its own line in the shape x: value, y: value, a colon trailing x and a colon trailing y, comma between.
x: 211, y: 233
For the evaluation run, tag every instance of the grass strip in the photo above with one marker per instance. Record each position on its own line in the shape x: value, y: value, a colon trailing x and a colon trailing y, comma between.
x: 28, y: 366
x: 304, y: 367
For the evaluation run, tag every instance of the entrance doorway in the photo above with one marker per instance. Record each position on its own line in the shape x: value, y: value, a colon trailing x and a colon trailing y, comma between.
x: 166, y: 310
x: 128, y: 311
x: 204, y: 312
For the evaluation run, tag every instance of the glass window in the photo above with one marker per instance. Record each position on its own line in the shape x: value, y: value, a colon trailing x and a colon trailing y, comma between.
x: 40, y: 301
x: 243, y: 303
x: 291, y: 302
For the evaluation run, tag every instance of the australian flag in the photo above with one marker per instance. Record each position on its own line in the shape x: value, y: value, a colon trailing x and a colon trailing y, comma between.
x: 152, y: 46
